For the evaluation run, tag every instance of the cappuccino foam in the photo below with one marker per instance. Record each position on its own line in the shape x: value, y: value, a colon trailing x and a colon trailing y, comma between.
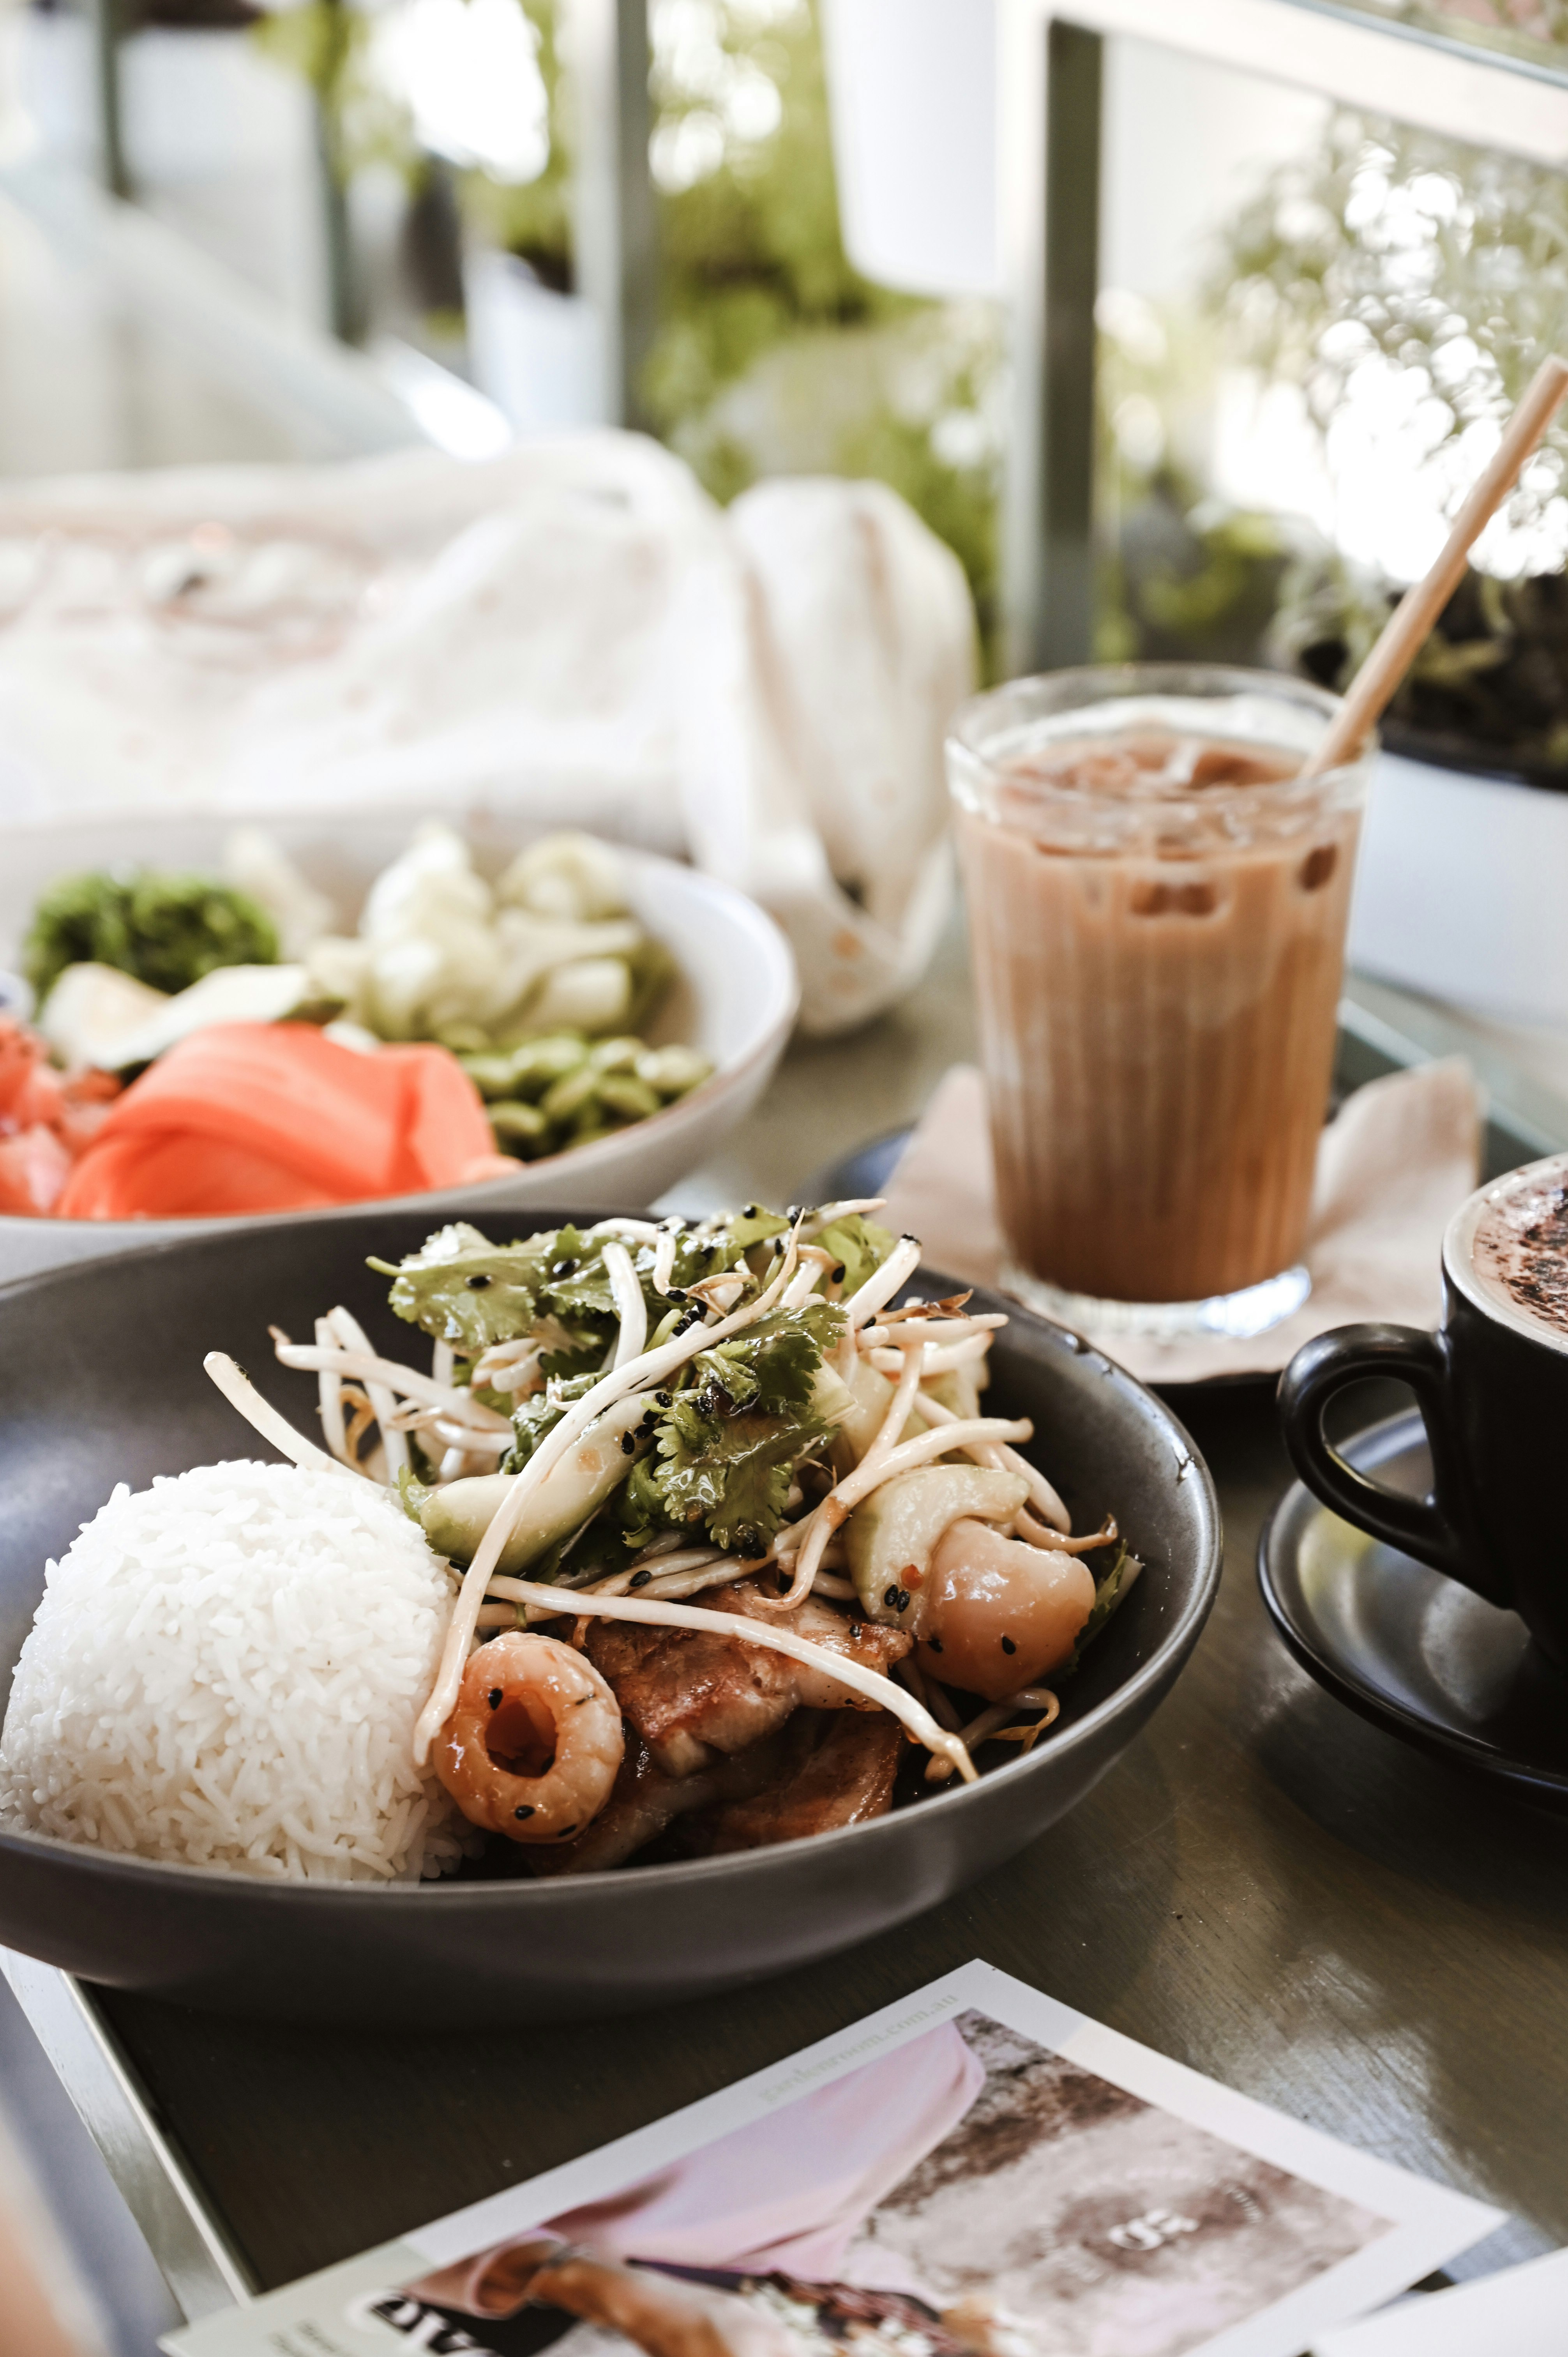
x: 1518, y: 1252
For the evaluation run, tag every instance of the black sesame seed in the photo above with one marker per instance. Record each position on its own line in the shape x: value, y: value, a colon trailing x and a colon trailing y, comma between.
x: 903, y: 1603
x: 628, y: 1443
x: 677, y: 1293
x: 857, y: 1632
x: 663, y: 1399
x: 649, y: 1421
x: 562, y: 1267
x: 752, y: 1211
x: 640, y: 1579
x: 526, y: 1811
x: 935, y: 1643
x: 478, y: 1284
x: 1008, y: 1646
x: 890, y: 1597
x: 495, y: 1698
x: 839, y: 1273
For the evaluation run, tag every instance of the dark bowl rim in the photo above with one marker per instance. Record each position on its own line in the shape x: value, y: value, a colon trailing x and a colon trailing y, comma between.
x: 563, y: 1891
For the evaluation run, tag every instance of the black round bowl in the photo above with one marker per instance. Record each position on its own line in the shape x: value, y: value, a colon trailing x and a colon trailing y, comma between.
x: 100, y: 1381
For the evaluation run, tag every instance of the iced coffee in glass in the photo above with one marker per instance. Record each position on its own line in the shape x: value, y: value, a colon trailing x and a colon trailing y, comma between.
x: 1157, y: 906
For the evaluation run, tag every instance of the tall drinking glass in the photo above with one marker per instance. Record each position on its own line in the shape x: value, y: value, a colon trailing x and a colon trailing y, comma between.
x: 1157, y: 905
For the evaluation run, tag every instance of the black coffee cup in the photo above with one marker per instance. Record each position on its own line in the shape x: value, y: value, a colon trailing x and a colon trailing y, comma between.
x: 1492, y: 1388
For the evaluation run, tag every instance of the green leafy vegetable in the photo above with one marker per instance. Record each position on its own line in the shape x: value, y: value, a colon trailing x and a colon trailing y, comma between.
x: 464, y: 1290
x: 468, y: 1292
x: 772, y: 1364
x: 167, y: 930
x: 724, y: 1448
x: 1108, y: 1593
x: 861, y: 1247
x: 533, y: 1419
x: 730, y: 1472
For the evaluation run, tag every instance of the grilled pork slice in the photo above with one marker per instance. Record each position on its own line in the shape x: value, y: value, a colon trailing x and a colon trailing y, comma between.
x: 847, y: 1779
x: 645, y: 1802
x: 688, y: 1694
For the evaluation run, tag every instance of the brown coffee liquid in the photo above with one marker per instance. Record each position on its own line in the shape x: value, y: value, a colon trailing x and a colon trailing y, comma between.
x: 1519, y: 1253
x: 1158, y: 1016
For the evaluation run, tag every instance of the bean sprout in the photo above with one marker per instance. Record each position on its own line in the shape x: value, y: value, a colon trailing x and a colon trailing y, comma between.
x: 935, y: 1359
x: 239, y: 1391
x: 1045, y: 1499
x: 664, y: 1259
x: 386, y: 1375
x: 329, y: 1390
x: 991, y: 1727
x: 356, y: 1342
x: 834, y: 1508
x: 638, y: 1374
x: 678, y: 1560
x: 828, y: 1582
x: 630, y: 1306
x: 883, y: 1282
x: 827, y: 1215
x: 814, y: 1264
x: 878, y: 1689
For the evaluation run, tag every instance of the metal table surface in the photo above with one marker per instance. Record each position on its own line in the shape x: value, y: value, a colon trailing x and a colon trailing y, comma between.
x: 1265, y: 1888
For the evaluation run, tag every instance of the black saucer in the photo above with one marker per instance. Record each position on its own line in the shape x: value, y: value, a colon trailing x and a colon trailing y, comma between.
x: 1412, y: 1651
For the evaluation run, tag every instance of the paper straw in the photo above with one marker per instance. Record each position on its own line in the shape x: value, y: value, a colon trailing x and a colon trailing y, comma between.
x: 1412, y: 621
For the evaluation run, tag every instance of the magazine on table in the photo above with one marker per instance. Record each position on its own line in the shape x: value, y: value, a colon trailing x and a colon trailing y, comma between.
x: 976, y: 2172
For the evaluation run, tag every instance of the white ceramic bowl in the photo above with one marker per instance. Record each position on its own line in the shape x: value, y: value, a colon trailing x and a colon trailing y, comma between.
x: 735, y: 1000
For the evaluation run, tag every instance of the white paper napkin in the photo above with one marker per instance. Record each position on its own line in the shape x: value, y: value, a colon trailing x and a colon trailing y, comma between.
x: 1391, y: 1170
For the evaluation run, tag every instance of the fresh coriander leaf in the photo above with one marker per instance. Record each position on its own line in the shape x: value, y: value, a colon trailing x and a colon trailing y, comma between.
x: 464, y: 1290
x: 575, y: 1284
x: 773, y: 1364
x: 640, y: 1507
x: 730, y: 1472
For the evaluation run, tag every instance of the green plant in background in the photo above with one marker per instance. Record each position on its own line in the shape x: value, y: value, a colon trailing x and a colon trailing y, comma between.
x: 1383, y: 250
x: 1393, y: 247
x: 1391, y: 242
x: 1181, y: 576
x: 772, y: 355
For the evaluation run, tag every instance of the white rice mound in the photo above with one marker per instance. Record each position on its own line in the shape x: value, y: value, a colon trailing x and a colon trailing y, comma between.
x: 226, y: 1669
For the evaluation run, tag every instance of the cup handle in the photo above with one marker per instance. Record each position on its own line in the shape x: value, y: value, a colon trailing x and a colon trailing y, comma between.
x: 1422, y: 1527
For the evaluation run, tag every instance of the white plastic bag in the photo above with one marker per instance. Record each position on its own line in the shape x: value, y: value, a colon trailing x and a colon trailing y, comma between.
x: 573, y: 629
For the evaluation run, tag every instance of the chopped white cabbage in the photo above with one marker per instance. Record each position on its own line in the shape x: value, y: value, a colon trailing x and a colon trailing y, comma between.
x: 97, y: 1016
